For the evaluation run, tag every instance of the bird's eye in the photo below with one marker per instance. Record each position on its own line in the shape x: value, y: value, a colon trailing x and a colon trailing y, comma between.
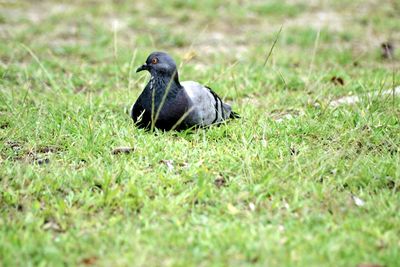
x: 154, y: 60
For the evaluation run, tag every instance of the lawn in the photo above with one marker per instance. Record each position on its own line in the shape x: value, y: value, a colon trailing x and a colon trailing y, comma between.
x: 297, y: 181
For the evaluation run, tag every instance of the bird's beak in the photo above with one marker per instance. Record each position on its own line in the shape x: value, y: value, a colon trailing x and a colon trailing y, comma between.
x: 143, y: 67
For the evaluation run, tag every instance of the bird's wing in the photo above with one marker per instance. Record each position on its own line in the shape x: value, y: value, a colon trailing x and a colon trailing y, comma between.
x: 207, y: 107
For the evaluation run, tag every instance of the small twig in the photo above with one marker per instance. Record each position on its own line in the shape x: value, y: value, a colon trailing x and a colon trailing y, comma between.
x: 130, y: 69
x: 313, y: 55
x: 164, y: 98
x: 182, y: 118
x: 234, y: 84
x: 283, y: 78
x: 223, y: 72
x: 49, y: 77
x: 192, y: 44
x: 393, y: 80
x: 273, y: 45
x: 115, y: 50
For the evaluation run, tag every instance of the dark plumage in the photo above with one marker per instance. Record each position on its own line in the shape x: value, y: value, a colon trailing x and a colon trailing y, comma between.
x: 166, y: 103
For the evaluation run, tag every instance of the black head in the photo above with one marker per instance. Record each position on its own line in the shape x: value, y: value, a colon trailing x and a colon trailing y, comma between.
x: 159, y: 63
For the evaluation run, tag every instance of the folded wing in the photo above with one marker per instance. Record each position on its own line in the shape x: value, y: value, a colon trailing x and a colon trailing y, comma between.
x: 206, y: 107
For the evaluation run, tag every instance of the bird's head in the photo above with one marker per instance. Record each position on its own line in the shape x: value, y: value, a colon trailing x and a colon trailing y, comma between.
x: 159, y: 63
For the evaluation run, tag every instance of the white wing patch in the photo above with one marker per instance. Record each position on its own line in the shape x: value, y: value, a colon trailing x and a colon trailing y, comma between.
x: 207, y: 107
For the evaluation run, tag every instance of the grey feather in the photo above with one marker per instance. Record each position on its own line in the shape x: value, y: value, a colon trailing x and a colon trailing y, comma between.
x: 206, y: 107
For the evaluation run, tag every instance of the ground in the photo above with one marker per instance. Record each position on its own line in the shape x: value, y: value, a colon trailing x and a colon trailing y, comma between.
x: 302, y: 179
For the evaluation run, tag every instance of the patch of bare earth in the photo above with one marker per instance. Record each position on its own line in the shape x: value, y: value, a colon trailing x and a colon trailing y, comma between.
x: 351, y: 100
x: 19, y: 16
x: 320, y: 19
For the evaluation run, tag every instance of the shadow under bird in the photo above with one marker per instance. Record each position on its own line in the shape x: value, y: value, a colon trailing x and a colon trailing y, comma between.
x: 167, y: 104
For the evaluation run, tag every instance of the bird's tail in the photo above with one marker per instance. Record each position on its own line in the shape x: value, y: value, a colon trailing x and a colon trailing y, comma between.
x: 234, y: 115
x: 228, y: 110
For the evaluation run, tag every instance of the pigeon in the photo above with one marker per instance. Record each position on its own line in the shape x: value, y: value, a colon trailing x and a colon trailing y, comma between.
x: 168, y: 104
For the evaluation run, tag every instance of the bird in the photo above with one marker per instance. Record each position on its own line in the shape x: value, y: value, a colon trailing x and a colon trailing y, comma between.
x: 168, y: 104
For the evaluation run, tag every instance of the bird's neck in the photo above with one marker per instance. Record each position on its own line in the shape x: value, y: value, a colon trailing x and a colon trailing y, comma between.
x: 162, y: 86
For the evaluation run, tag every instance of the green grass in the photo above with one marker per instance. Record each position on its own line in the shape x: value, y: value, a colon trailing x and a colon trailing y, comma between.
x: 265, y: 190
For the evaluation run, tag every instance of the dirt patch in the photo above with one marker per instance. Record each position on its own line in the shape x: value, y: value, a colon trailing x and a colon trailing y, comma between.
x: 40, y: 155
x: 220, y: 181
x: 319, y: 20
x: 19, y: 15
x: 351, y: 100
x: 122, y: 150
x: 47, y: 149
x: 280, y: 115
